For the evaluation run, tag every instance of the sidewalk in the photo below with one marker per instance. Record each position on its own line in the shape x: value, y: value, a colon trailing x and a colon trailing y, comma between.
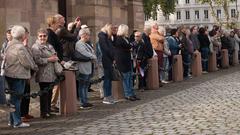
x: 61, y: 124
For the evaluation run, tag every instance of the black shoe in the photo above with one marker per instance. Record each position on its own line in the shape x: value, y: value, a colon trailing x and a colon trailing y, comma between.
x: 131, y: 98
x: 45, y: 116
x: 86, y: 106
x: 90, y: 90
x: 136, y: 98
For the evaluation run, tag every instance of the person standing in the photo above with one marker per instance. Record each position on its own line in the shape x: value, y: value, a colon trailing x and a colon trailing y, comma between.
x: 84, y: 68
x: 157, y: 41
x: 57, y: 45
x: 26, y: 101
x: 2, y: 64
x: 204, y: 47
x: 123, y: 61
x: 45, y: 57
x: 106, y: 46
x: 17, y: 70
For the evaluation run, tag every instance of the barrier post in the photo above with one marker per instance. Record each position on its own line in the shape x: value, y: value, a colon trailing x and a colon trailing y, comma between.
x: 117, y: 90
x: 177, y: 74
x: 212, y: 62
x: 196, y: 64
x: 152, y: 75
x: 225, y: 58
x: 235, y: 57
x: 68, y: 97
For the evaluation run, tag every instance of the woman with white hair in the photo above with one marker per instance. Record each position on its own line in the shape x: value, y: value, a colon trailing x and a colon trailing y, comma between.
x: 84, y: 68
x: 17, y: 69
x: 123, y: 61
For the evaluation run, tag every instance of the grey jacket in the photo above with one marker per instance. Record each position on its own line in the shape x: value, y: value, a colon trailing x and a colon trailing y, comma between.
x: 86, y: 50
x: 46, y: 71
x: 18, y: 61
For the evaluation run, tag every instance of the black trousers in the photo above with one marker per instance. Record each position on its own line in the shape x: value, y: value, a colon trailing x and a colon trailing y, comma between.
x: 45, y: 98
x: 24, y: 107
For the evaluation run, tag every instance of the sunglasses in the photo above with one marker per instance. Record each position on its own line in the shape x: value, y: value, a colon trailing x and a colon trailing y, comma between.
x: 42, y: 36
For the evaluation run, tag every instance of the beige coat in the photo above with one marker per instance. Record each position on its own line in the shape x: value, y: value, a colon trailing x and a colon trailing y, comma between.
x: 157, y: 41
x: 46, y: 71
x: 18, y: 61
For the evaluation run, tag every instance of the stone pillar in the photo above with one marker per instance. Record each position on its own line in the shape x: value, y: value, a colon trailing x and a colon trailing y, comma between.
x: 135, y: 15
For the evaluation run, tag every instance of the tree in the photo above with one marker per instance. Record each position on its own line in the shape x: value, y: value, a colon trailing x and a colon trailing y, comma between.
x: 225, y: 5
x: 152, y: 6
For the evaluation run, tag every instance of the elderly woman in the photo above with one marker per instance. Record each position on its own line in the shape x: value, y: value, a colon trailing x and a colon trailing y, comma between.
x: 45, y: 57
x: 17, y: 70
x: 84, y: 68
x: 123, y: 61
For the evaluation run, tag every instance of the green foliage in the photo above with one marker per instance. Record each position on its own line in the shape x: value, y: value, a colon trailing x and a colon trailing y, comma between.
x: 151, y: 7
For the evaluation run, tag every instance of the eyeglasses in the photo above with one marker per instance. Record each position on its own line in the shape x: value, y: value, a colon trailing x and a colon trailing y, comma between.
x: 42, y: 36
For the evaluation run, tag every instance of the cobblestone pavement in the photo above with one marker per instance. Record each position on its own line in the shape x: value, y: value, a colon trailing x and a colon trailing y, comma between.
x: 209, y: 104
x: 208, y: 108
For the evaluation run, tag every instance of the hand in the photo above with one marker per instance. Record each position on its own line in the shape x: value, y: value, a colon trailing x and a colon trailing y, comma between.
x: 62, y: 62
x: 53, y: 58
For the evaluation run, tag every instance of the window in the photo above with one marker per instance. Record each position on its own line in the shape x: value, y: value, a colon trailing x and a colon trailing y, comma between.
x: 187, y: 1
x: 147, y: 17
x: 196, y: 14
x: 178, y: 15
x: 233, y: 13
x: 187, y: 15
x: 166, y: 16
x: 219, y: 14
x: 155, y: 17
x: 205, y: 14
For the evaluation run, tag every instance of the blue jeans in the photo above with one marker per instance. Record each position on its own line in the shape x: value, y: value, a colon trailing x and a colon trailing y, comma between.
x: 18, y: 86
x: 83, y: 81
x: 205, y: 55
x: 186, y: 64
x: 107, y: 83
x: 166, y: 68
x: 2, y: 90
x: 127, y: 84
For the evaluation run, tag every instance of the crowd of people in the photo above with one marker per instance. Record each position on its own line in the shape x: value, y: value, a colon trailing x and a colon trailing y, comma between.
x: 56, y: 47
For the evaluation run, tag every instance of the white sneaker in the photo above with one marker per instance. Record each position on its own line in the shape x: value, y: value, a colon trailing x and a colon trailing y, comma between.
x: 163, y: 81
x: 204, y: 72
x: 22, y: 125
x: 9, y: 124
x: 108, y: 100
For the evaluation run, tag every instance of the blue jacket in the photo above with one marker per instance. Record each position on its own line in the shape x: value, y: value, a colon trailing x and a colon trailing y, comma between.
x: 173, y: 45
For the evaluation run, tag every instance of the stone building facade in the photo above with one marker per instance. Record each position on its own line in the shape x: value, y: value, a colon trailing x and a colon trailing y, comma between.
x: 191, y: 12
x: 94, y: 13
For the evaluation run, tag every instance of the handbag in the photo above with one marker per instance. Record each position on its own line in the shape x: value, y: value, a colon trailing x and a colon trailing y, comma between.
x: 116, y: 74
x: 58, y: 68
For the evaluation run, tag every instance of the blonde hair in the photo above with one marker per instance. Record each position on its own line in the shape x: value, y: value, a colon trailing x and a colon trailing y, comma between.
x: 107, y: 29
x: 122, y: 30
x: 51, y: 20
